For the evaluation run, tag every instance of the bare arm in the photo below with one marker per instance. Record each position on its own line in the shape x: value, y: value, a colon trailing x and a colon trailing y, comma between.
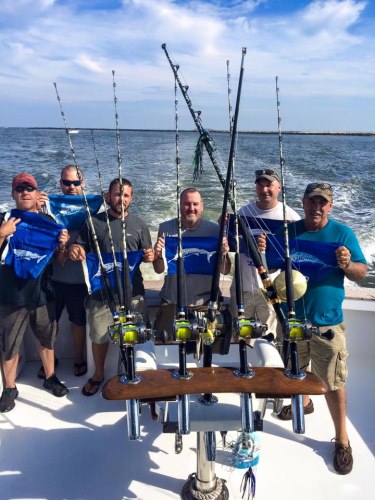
x: 354, y: 271
x: 158, y: 262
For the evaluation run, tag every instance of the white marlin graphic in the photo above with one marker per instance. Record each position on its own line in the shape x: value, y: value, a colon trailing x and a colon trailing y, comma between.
x: 27, y: 255
x: 109, y: 267
x: 189, y: 252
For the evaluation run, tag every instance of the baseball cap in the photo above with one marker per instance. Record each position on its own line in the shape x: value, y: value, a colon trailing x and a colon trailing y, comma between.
x: 266, y: 173
x: 319, y: 189
x: 22, y: 179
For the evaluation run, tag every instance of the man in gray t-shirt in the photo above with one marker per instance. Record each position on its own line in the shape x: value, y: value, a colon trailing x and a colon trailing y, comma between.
x: 197, y: 287
x: 137, y: 238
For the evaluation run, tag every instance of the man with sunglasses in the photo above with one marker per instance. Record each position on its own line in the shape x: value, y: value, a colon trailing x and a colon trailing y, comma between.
x: 267, y: 206
x: 322, y: 305
x: 26, y: 302
x: 68, y: 279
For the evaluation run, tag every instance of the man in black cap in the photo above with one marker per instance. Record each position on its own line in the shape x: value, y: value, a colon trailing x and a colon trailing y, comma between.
x: 267, y: 206
x: 322, y: 306
x: 25, y: 302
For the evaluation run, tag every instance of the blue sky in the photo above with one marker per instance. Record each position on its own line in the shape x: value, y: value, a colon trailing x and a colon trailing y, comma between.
x: 322, y: 51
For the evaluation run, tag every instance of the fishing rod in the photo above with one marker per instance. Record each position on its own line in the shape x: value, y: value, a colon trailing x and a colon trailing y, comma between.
x: 216, y: 276
x: 293, y: 330
x: 116, y: 264
x: 182, y: 327
x: 208, y: 142
x: 229, y: 103
x: 103, y: 270
x: 126, y: 276
x: 289, y: 348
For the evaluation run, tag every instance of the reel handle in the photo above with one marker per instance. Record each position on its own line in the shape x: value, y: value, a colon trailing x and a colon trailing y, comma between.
x: 329, y: 334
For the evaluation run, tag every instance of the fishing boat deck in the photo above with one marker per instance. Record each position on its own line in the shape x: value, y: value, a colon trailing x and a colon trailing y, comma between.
x: 77, y: 447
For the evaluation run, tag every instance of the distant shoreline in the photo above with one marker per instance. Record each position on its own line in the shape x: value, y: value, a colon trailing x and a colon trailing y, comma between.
x: 250, y: 132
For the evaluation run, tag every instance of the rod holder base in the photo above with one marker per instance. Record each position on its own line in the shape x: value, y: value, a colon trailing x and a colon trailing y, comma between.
x: 124, y: 380
x: 176, y: 375
x: 300, y: 376
x: 249, y: 374
x: 190, y: 491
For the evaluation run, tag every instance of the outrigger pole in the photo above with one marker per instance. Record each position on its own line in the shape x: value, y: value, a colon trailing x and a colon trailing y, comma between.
x: 103, y: 270
x: 211, y: 149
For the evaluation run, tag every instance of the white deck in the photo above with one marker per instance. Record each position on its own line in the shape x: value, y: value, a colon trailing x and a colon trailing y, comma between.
x: 77, y: 447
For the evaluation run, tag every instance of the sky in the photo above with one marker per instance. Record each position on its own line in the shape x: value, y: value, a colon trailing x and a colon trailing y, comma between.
x: 323, y: 53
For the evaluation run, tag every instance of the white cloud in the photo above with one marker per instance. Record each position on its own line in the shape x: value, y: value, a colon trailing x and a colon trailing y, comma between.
x: 323, y: 49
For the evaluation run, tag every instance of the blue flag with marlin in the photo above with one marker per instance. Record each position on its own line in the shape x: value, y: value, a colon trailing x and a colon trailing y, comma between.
x: 70, y: 210
x: 32, y: 245
x: 314, y: 260
x: 93, y: 273
x: 198, y: 254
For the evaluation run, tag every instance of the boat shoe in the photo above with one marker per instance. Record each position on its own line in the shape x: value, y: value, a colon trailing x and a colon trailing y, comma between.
x: 342, y: 458
x: 286, y: 411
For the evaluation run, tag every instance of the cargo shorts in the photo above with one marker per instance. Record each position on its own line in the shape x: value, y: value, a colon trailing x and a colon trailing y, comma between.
x: 328, y: 357
x: 99, y: 317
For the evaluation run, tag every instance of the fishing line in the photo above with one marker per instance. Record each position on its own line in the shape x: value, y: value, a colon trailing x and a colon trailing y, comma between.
x: 104, y: 274
x: 113, y: 251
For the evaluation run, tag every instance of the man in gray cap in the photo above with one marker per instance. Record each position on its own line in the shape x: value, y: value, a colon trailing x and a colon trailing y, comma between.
x: 267, y: 206
x: 322, y: 306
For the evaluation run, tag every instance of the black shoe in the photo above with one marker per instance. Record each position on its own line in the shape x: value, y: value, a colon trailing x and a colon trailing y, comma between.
x: 53, y: 384
x: 7, y: 399
x: 41, y: 374
x: 343, y: 458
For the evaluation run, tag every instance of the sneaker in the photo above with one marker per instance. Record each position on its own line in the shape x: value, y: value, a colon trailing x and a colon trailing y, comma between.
x: 7, y: 399
x: 41, y: 374
x: 286, y: 412
x: 53, y: 384
x: 342, y: 458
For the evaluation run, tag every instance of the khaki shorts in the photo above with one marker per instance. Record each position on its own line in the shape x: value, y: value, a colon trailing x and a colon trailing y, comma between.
x: 14, y: 322
x: 99, y: 318
x: 328, y: 357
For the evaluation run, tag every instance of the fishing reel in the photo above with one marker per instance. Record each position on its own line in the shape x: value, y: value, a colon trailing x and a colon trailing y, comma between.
x: 215, y: 328
x: 248, y: 328
x: 296, y: 330
x: 185, y: 329
x: 128, y: 328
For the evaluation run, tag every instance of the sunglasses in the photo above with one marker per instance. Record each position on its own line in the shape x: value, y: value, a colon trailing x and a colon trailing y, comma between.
x: 21, y: 189
x: 318, y: 185
x: 69, y: 183
x: 265, y: 171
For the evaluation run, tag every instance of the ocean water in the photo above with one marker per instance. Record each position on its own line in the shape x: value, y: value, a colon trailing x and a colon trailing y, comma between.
x: 149, y: 161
